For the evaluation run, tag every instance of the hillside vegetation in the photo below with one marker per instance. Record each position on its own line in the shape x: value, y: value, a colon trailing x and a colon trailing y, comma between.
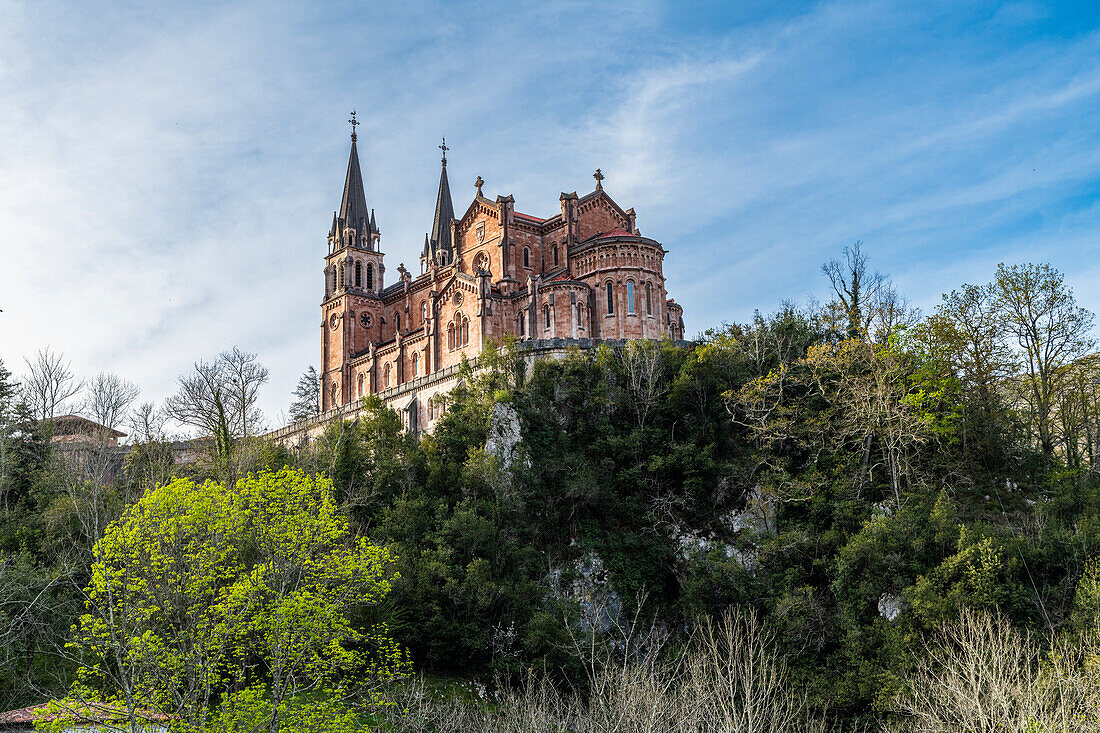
x: 847, y: 515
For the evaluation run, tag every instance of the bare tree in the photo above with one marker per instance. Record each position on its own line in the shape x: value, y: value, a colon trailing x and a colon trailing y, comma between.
x: 219, y: 398
x: 49, y: 384
x: 643, y: 367
x: 307, y: 396
x: 147, y: 423
x: 856, y: 288
x: 108, y: 400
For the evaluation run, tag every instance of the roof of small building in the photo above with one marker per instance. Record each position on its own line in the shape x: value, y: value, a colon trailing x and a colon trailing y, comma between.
x: 77, y: 425
x: 77, y: 712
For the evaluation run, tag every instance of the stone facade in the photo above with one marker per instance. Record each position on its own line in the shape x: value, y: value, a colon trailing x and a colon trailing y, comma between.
x: 582, y: 275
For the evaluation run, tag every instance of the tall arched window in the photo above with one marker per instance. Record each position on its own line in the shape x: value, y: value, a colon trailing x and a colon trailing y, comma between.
x: 397, y: 325
x: 386, y: 376
x: 451, y: 336
x: 526, y: 257
x: 630, y: 297
x: 334, y: 278
x: 416, y: 364
x: 424, y: 311
x: 358, y: 274
x: 610, y: 298
x: 555, y: 255
x: 370, y: 277
x: 465, y: 331
x: 332, y: 396
x: 580, y: 315
x: 522, y: 323
x: 361, y: 392
x: 546, y: 311
x: 649, y: 299
x: 341, y: 276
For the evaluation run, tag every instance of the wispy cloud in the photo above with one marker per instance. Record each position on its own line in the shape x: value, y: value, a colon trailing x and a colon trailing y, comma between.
x: 168, y: 172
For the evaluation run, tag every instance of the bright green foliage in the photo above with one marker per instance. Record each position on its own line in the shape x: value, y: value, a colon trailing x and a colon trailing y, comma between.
x: 200, y: 587
x: 251, y: 710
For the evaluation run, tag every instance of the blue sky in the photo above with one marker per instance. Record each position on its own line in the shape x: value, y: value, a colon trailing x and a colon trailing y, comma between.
x: 168, y: 171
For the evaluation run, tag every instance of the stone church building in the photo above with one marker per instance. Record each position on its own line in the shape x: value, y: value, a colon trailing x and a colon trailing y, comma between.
x: 578, y: 277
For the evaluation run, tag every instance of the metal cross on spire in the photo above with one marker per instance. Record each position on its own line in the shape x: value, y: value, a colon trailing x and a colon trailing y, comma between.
x: 598, y: 175
x: 354, y: 123
x: 444, y: 148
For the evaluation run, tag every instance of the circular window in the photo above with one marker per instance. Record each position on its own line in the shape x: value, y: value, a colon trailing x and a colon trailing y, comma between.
x: 334, y: 321
x: 457, y: 299
x: 365, y: 319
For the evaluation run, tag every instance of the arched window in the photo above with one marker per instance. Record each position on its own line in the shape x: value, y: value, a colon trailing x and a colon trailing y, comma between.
x: 526, y: 257
x: 423, y: 311
x: 630, y: 297
x: 370, y: 277
x: 341, y: 276
x: 334, y: 278
x: 580, y: 315
x: 465, y: 331
x: 610, y: 298
x: 555, y: 255
x: 451, y: 336
x: 522, y: 322
x: 416, y: 364
x: 386, y: 376
x: 546, y: 311
x: 649, y: 299
x: 361, y: 392
x: 332, y: 396
x: 358, y: 274
x: 397, y: 325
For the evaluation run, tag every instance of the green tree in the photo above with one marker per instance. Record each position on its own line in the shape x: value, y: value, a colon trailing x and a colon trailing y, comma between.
x: 1050, y: 330
x: 203, y: 589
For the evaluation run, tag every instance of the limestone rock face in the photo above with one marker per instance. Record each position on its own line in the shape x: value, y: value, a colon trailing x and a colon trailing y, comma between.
x: 504, y: 434
x: 889, y: 606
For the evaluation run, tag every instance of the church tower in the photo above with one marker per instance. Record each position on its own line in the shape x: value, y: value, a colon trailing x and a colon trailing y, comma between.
x: 351, y: 310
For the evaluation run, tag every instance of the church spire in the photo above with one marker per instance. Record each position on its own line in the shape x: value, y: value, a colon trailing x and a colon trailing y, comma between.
x: 353, y: 206
x: 444, y: 211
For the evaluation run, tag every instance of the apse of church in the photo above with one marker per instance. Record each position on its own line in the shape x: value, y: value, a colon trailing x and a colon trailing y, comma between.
x: 583, y: 275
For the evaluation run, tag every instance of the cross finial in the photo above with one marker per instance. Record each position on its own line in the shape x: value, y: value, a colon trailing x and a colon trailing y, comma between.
x: 444, y: 148
x: 598, y: 175
x: 354, y: 123
x: 479, y: 183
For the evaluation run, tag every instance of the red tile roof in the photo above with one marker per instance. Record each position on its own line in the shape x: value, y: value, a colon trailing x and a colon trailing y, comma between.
x: 528, y: 216
x: 102, y: 713
x: 617, y: 232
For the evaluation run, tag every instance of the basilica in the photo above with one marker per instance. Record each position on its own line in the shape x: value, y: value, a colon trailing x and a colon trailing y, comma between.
x: 579, y: 277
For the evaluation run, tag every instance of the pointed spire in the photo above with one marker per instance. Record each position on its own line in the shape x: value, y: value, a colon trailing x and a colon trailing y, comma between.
x: 373, y: 225
x: 353, y: 206
x: 444, y: 211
